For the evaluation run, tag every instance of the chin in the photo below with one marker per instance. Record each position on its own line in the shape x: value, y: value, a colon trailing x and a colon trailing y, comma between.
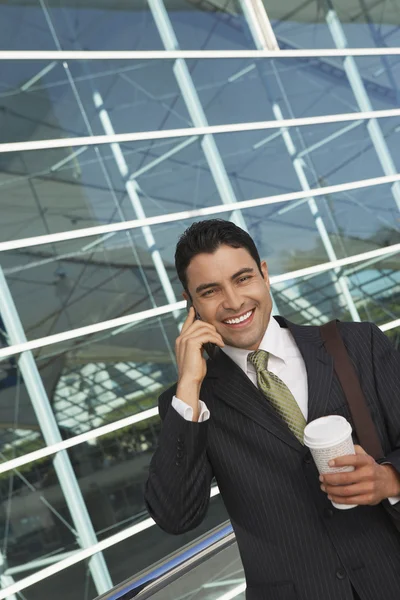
x: 246, y: 343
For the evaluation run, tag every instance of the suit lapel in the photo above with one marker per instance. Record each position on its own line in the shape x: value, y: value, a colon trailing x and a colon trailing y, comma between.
x: 319, y: 366
x: 231, y: 385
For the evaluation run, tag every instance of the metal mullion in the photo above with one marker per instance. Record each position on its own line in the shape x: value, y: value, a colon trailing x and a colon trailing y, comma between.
x: 363, y: 101
x: 197, y: 114
x: 166, y: 309
x: 176, y: 54
x: 201, y: 130
x: 51, y: 433
x: 264, y: 37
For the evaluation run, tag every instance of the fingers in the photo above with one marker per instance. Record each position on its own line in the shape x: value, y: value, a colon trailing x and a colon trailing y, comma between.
x: 362, y: 499
x: 190, y: 319
x: 348, y: 491
x: 361, y: 486
x: 352, y: 460
x: 192, y: 340
x: 349, y: 478
x: 357, y: 500
x: 200, y: 337
x: 197, y: 328
x: 189, y: 348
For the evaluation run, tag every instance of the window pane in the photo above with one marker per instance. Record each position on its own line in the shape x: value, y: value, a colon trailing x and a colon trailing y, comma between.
x: 105, y: 26
x: 215, y: 25
x: 369, y: 24
x: 24, y: 27
x: 373, y: 286
x: 50, y: 100
x: 37, y: 102
x: 74, y: 582
x: 79, y: 282
x: 114, y: 374
x: 365, y: 24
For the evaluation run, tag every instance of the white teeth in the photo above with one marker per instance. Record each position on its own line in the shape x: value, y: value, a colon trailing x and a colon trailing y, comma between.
x: 239, y: 319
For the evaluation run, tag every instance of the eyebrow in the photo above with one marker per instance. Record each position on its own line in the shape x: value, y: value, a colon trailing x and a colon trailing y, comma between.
x: 206, y: 286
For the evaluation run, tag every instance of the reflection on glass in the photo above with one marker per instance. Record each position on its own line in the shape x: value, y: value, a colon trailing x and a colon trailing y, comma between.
x: 35, y: 523
x: 80, y: 282
x: 376, y: 287
x: 50, y: 99
x: 37, y: 102
x: 314, y: 299
x: 205, y: 25
x: 365, y: 24
x: 61, y: 287
x: 369, y: 24
x: 300, y: 24
x: 28, y: 33
x: 99, y: 379
x: 109, y: 26
x: 111, y: 375
x: 54, y: 190
x: 19, y: 427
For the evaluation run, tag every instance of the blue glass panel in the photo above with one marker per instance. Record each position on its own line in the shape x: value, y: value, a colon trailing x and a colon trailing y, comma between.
x: 217, y: 25
x: 38, y: 102
x: 24, y: 27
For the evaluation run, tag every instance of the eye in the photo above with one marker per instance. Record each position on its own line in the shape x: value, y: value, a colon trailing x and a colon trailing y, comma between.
x: 245, y: 278
x: 208, y: 293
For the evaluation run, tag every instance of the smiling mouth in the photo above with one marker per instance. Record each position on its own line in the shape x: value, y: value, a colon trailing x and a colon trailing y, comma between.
x: 240, y: 320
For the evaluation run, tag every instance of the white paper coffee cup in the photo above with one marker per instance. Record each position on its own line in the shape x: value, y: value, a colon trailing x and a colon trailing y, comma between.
x: 327, y: 438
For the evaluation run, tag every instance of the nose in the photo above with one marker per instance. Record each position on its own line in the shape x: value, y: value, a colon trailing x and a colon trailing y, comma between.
x: 232, y: 300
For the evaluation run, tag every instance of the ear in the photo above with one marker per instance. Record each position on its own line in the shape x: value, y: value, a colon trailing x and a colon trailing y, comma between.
x: 264, y: 270
x: 186, y: 296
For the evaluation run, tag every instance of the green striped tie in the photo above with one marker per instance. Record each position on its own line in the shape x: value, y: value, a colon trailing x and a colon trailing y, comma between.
x: 278, y: 394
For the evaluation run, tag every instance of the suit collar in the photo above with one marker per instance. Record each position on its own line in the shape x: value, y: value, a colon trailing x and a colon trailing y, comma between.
x: 319, y: 366
x: 231, y: 384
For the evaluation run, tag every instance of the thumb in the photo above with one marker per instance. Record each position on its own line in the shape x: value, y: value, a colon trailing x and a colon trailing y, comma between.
x: 359, y: 450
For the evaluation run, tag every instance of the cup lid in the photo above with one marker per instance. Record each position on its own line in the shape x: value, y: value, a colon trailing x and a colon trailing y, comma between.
x: 326, y: 430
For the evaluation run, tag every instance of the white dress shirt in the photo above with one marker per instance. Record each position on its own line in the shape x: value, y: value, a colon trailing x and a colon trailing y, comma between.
x: 285, y: 361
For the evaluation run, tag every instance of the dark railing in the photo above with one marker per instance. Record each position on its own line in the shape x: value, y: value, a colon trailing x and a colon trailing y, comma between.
x: 158, y: 576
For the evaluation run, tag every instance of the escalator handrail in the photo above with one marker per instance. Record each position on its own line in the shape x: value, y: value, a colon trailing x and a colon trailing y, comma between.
x: 150, y: 581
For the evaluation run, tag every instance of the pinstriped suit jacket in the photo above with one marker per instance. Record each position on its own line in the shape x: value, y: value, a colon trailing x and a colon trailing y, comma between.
x: 293, y: 544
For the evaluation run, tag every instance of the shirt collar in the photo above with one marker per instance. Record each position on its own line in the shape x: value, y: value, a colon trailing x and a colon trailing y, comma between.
x: 272, y: 342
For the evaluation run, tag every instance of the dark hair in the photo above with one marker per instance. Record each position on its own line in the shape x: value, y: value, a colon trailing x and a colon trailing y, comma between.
x: 207, y: 236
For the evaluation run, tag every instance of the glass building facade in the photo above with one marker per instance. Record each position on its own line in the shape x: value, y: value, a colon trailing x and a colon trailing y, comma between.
x: 121, y: 123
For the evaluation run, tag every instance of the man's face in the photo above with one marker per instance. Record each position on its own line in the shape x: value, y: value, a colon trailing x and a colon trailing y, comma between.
x: 228, y: 291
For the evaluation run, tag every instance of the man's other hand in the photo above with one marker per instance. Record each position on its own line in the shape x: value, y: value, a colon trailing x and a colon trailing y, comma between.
x: 368, y: 484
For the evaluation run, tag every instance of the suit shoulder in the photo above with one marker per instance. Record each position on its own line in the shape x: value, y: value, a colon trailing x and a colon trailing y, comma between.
x: 355, y: 334
x: 362, y: 327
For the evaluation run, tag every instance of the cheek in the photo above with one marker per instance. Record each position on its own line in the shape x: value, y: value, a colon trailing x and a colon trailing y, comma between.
x: 208, y: 313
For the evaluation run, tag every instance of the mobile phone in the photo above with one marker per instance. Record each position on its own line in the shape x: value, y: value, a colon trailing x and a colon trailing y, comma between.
x: 209, y: 347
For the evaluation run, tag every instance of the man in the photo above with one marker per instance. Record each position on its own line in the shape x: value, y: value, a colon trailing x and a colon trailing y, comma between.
x: 239, y: 418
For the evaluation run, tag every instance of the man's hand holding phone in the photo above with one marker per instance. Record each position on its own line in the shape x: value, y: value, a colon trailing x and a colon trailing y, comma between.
x: 191, y: 362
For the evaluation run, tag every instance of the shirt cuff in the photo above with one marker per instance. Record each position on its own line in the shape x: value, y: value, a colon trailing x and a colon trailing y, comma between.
x: 394, y: 499
x: 186, y: 411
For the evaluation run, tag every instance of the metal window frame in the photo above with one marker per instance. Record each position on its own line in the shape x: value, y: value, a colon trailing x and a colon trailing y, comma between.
x: 95, y: 140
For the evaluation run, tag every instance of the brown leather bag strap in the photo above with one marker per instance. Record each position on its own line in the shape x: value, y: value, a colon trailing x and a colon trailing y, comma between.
x: 364, y: 425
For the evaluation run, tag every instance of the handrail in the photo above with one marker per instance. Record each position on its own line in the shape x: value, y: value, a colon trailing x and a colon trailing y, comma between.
x: 143, y: 585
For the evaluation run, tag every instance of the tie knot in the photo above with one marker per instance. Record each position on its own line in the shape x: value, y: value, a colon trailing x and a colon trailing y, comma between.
x: 259, y: 359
